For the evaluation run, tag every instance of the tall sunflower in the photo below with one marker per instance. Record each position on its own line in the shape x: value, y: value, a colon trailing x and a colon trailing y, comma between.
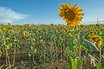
x: 71, y: 14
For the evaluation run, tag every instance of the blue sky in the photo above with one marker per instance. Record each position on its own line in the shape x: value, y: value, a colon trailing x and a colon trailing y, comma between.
x: 46, y: 11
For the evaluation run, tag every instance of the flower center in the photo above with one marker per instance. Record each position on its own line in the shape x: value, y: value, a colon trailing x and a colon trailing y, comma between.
x: 69, y: 14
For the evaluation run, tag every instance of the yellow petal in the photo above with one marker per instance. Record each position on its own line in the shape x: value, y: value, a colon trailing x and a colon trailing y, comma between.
x: 79, y: 12
x: 67, y: 20
x: 74, y: 7
x: 76, y: 21
x: 67, y: 23
x: 78, y: 8
x: 61, y: 14
x: 69, y: 5
x: 76, y: 11
x: 60, y: 9
x: 79, y: 18
x: 73, y: 24
x: 99, y: 43
x: 64, y: 6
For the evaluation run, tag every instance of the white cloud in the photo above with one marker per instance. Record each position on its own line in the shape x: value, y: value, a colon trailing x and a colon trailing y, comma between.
x: 7, y: 15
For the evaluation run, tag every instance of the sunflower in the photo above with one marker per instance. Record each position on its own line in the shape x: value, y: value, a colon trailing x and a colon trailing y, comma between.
x: 92, y: 38
x: 96, y: 39
x: 96, y: 30
x: 25, y: 33
x: 71, y: 14
x: 91, y: 33
x: 10, y: 32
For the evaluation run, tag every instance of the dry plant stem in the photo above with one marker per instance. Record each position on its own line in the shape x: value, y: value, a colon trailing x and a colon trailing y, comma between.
x: 7, y: 59
x: 9, y: 67
x: 100, y: 56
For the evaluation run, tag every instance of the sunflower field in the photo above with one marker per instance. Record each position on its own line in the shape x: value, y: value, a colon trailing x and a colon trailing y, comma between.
x: 51, y: 47
x: 70, y: 46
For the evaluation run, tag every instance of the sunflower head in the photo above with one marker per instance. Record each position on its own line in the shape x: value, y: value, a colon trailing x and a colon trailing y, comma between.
x: 96, y: 30
x: 92, y: 38
x: 71, y: 14
x: 25, y: 33
x: 96, y: 39
x: 91, y: 33
x: 10, y: 32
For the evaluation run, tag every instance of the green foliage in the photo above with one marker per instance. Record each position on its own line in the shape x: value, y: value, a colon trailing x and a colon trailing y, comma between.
x: 99, y: 66
x: 90, y: 46
x: 75, y: 63
x: 47, y: 44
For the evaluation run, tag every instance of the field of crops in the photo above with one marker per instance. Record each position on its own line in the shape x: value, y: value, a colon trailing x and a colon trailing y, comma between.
x: 51, y: 47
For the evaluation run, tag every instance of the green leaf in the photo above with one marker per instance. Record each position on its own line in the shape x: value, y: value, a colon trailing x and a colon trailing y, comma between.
x: 90, y: 46
x: 98, y: 66
x: 70, y: 43
x: 75, y: 63
x: 35, y: 50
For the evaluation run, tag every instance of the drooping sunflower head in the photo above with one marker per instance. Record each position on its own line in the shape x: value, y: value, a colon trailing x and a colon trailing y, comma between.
x: 96, y: 39
x: 71, y: 14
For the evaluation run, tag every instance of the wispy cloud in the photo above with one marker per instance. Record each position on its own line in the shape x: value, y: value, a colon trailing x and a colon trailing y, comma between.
x: 7, y: 15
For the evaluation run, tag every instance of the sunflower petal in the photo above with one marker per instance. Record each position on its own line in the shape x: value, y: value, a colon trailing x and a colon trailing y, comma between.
x: 64, y: 6
x: 74, y: 7
x: 60, y: 9
x: 69, y: 5
x: 61, y: 14
x: 99, y: 43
